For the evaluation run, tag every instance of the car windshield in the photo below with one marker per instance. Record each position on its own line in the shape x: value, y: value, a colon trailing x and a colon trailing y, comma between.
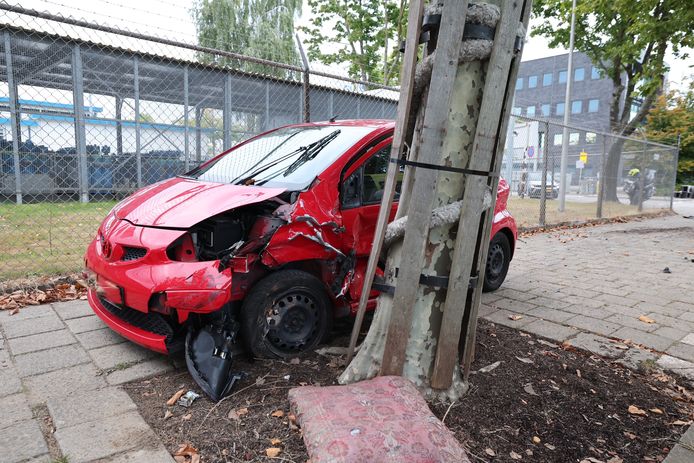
x: 537, y: 177
x: 289, y: 158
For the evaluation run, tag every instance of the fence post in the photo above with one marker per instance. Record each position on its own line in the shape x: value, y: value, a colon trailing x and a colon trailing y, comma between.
x: 138, y: 140
x: 267, y: 106
x: 80, y: 134
x: 603, y: 160
x: 15, y: 119
x: 226, y: 112
x: 186, y: 133
x: 198, y: 134
x: 306, y: 88
x: 543, y: 193
x: 674, y: 179
x: 642, y: 177
x: 332, y: 105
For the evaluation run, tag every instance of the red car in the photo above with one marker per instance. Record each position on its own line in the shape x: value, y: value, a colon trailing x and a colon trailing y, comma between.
x: 269, y: 239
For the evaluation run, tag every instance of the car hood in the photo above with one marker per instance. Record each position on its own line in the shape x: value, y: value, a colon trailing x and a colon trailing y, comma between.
x: 181, y: 203
x: 539, y: 184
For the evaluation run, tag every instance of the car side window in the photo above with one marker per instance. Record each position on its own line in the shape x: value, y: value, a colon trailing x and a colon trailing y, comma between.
x: 366, y: 184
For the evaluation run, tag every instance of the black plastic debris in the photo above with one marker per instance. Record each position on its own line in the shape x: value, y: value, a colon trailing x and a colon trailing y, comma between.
x: 667, y: 270
x: 208, y: 358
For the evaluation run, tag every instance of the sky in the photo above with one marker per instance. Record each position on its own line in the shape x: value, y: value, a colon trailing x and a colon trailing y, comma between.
x: 172, y: 19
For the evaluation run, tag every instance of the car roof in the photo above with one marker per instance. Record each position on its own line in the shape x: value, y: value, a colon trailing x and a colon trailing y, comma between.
x: 375, y: 123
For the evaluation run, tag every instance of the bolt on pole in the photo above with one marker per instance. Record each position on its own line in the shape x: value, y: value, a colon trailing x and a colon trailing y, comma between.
x: 567, y: 108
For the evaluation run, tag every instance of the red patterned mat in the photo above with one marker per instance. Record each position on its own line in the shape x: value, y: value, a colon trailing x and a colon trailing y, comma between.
x: 381, y: 420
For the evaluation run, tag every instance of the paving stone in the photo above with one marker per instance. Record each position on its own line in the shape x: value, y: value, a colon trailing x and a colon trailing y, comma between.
x: 688, y: 316
x: 601, y: 312
x: 638, y: 359
x: 664, y: 310
x: 99, y: 338
x: 119, y: 354
x: 548, y: 302
x: 139, y: 371
x: 485, y: 310
x: 647, y: 339
x: 632, y: 322
x: 81, y: 407
x: 593, y: 324
x: 596, y: 344
x: 26, y: 327
x: 41, y: 341
x: 35, y: 363
x: 72, y: 309
x: 156, y: 454
x: 103, y: 438
x: 550, y: 330
x: 14, y: 409
x: 502, y: 317
x: 688, y: 437
x: 63, y: 382
x: 5, y: 361
x: 679, y: 366
x: 679, y: 454
x: 26, y: 313
x: 689, y: 339
x: 22, y: 442
x: 683, y: 351
x: 550, y: 314
x: 672, y: 333
x: 9, y: 382
x: 80, y: 325
x: 513, y: 305
x: 666, y: 320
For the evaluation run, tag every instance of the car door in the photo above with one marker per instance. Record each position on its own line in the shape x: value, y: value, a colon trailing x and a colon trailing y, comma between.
x: 361, y: 191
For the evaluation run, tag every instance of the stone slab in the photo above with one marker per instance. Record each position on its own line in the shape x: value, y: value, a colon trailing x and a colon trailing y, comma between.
x: 5, y: 360
x: 14, y: 408
x: 26, y: 313
x: 638, y: 359
x: 596, y: 344
x: 9, y: 382
x: 82, y: 407
x: 550, y: 330
x: 550, y: 314
x: 156, y: 454
x: 26, y: 327
x: 647, y: 339
x: 679, y: 366
x: 22, y: 442
x: 594, y: 325
x: 72, y: 309
x: 80, y: 325
x: 119, y: 354
x: 61, y: 383
x: 503, y: 317
x: 57, y: 358
x: 41, y: 341
x: 679, y: 454
x: 681, y: 350
x: 99, y: 338
x: 689, y: 339
x: 632, y: 322
x: 140, y: 371
x: 104, y: 438
x: 672, y: 333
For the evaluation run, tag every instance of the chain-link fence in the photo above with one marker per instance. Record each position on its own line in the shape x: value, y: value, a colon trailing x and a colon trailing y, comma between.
x: 89, y: 113
x: 606, y: 175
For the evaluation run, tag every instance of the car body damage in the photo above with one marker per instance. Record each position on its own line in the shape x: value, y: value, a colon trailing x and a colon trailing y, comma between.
x: 266, y: 243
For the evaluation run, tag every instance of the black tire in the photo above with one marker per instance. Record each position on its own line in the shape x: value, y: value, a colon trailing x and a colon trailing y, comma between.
x: 498, y: 260
x: 284, y: 314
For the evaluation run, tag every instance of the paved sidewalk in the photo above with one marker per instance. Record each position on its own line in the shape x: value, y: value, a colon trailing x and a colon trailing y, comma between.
x: 60, y: 359
x: 590, y: 285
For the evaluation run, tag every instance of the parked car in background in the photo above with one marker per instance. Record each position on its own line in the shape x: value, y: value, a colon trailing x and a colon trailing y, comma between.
x: 269, y: 240
x: 535, y: 186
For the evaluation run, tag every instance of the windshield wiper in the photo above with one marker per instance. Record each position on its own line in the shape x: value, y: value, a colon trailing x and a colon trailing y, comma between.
x: 308, y: 152
x: 245, y: 175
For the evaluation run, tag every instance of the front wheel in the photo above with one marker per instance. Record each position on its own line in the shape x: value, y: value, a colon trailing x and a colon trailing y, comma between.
x: 286, y: 313
x: 498, y: 260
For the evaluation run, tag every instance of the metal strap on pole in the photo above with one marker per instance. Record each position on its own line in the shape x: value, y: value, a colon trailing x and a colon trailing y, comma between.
x: 407, y: 75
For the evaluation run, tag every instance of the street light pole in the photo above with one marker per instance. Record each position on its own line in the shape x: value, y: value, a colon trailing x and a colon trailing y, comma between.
x: 567, y: 109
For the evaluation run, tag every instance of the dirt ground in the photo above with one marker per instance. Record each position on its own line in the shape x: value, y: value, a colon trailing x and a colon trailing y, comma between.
x: 543, y: 403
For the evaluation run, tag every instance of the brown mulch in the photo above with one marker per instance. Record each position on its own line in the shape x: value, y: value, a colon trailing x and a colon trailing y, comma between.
x: 543, y: 403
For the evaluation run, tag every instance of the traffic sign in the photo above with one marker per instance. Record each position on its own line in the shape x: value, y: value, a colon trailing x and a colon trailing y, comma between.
x: 531, y: 151
x: 584, y: 157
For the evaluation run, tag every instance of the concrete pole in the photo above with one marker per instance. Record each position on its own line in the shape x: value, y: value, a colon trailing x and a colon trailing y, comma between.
x: 186, y: 129
x: 15, y: 119
x: 80, y: 134
x: 226, y: 113
x: 138, y: 140
x: 674, y: 174
x: 567, y: 111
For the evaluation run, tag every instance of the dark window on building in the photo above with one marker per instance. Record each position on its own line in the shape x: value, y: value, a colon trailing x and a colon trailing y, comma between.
x: 562, y: 77
x: 579, y: 74
x: 532, y: 81
x: 576, y: 107
x: 519, y: 83
x: 547, y: 79
x: 593, y: 106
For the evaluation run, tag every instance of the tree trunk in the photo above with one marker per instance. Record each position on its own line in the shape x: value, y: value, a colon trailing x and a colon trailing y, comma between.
x: 426, y: 323
x: 611, y: 174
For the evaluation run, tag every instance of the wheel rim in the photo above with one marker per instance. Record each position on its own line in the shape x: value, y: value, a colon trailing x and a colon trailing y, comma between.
x: 293, y: 321
x: 495, y: 262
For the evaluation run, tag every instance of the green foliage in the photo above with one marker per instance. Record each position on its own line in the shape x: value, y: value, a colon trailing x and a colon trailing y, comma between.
x: 627, y: 40
x: 365, y: 34
x: 673, y: 115
x: 257, y: 28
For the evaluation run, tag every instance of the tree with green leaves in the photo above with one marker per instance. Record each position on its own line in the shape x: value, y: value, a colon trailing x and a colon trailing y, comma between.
x: 672, y: 116
x: 257, y: 28
x: 628, y: 41
x: 364, y: 34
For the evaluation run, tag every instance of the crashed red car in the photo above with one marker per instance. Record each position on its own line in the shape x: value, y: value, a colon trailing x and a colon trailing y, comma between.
x: 269, y: 239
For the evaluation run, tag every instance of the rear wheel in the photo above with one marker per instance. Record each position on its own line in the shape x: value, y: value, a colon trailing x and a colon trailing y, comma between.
x: 286, y: 313
x: 498, y: 260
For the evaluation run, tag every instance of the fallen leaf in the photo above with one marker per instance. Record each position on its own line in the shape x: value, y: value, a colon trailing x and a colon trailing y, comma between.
x: 578, y: 373
x: 167, y: 414
x: 515, y: 456
x: 490, y: 452
x: 515, y: 317
x: 260, y: 381
x: 634, y: 410
x: 615, y: 459
x: 273, y: 452
x: 490, y: 367
x: 657, y: 411
x: 529, y: 389
x: 646, y: 319
x: 681, y: 423
x: 187, y: 417
x: 524, y: 360
x: 175, y: 397
x: 550, y: 447
x: 275, y: 441
x: 536, y: 440
x: 630, y: 435
x: 295, y: 361
x: 278, y: 413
